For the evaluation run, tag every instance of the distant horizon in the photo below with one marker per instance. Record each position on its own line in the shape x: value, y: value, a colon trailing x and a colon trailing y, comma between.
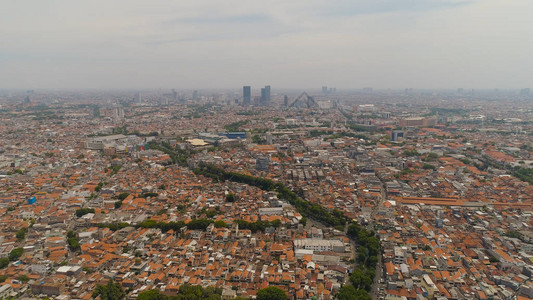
x: 258, y: 88
x: 383, y: 44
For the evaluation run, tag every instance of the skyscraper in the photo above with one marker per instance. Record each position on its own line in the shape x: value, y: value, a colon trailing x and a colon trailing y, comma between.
x: 396, y: 135
x: 246, y: 95
x: 267, y: 88
x: 138, y: 98
x: 265, y: 95
x: 119, y: 112
x: 174, y: 95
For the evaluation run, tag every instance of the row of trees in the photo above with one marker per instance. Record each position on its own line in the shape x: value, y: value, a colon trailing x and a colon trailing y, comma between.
x: 177, y: 156
x: 195, y: 224
x: 99, y: 186
x: 368, y: 249
x: 367, y: 257
x: 197, y: 292
x: 314, y: 211
x: 186, y: 291
x: 524, y: 174
x: 235, y: 126
x: 110, y: 291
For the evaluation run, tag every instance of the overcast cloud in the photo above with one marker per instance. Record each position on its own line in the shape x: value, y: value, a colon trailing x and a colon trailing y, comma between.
x: 301, y: 43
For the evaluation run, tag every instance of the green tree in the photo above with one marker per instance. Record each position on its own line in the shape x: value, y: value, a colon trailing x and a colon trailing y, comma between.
x: 111, y: 291
x: 21, y: 233
x: 71, y: 234
x: 411, y: 153
x: 303, y: 221
x: 347, y: 292
x: 15, y: 254
x: 230, y: 197
x: 74, y: 244
x: 271, y: 293
x: 123, y: 196
x: 4, y: 261
x: 83, y: 211
x: 428, y: 167
x: 151, y: 295
x: 276, y: 223
x: 512, y: 234
x: 199, y: 224
x: 149, y: 194
x: 98, y: 188
x: 220, y: 224
x: 431, y: 157
x: 361, y: 280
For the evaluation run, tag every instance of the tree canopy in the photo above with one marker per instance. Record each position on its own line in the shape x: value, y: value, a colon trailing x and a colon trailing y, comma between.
x: 111, y: 291
x: 186, y: 292
x: 15, y: 254
x: 348, y: 292
x: 271, y: 293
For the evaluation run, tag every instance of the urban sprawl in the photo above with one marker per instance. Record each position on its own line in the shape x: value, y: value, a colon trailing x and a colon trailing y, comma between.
x: 251, y: 194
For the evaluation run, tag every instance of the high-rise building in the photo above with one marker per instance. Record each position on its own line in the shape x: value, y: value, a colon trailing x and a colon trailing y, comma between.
x: 269, y: 138
x: 267, y: 88
x: 119, y: 113
x: 246, y: 95
x: 285, y: 101
x: 138, y: 98
x: 397, y: 135
x: 324, y: 89
x: 265, y: 95
x: 174, y: 95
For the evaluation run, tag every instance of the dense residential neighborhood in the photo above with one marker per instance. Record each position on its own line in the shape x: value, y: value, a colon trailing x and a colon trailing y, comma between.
x: 348, y: 195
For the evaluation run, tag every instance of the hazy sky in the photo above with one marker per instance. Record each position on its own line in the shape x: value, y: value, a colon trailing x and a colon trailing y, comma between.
x: 284, y: 43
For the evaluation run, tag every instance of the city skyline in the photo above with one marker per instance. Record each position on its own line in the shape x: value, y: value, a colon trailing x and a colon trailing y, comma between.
x: 349, y: 44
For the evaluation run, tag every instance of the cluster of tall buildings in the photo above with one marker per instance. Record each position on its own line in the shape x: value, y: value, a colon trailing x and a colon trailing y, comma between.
x: 326, y: 91
x: 264, y: 100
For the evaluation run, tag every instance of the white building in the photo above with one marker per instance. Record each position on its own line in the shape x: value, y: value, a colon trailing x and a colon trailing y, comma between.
x: 319, y: 245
